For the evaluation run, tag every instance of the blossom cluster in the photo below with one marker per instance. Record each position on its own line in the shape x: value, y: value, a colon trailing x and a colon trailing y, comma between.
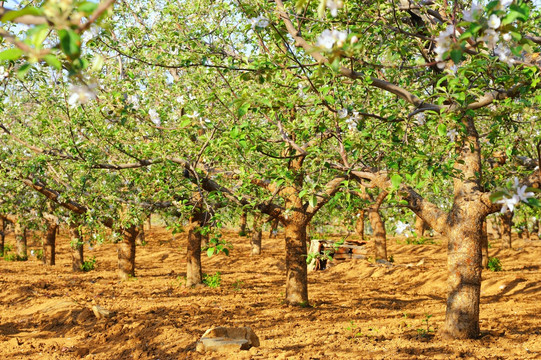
x: 259, y: 22
x: 329, y: 38
x: 509, y: 202
x: 334, y: 5
x: 80, y: 94
x: 402, y: 227
x: 491, y: 36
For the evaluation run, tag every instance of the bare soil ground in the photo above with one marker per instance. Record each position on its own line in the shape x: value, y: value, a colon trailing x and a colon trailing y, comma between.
x: 359, y: 310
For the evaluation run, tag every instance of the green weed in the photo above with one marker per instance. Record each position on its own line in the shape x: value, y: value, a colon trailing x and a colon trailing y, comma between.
x: 89, y: 264
x: 494, y: 264
x: 213, y: 281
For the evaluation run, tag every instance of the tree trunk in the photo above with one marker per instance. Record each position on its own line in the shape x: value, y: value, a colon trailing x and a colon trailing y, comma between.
x: 76, y: 245
x: 465, y: 232
x: 141, y: 235
x: 256, y: 235
x: 2, y: 235
x: 464, y: 281
x: 484, y: 245
x: 378, y: 233
x: 194, y: 274
x: 20, y: 241
x: 496, y: 227
x: 297, y: 273
x: 420, y: 226
x: 126, y: 253
x: 535, y: 229
x: 359, y: 226
x: 274, y: 228
x: 243, y: 221
x: 507, y: 223
x: 49, y: 246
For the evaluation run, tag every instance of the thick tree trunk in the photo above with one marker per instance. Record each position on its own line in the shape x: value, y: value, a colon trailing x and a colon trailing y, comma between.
x: 464, y: 282
x: 484, y: 245
x: 194, y: 274
x: 507, y: 223
x: 465, y: 232
x: 297, y: 273
x: 256, y: 235
x: 359, y: 225
x: 243, y: 221
x: 126, y: 254
x: 378, y: 233
x: 2, y: 235
x: 20, y: 241
x: 76, y: 245
x: 420, y: 226
x: 49, y: 246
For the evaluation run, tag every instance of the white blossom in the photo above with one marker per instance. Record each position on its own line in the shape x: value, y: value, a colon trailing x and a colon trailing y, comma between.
x: 401, y: 227
x: 334, y: 5
x: 504, y: 54
x: 472, y: 13
x: 451, y: 134
x: 260, y: 22
x: 508, y: 203
x: 180, y: 99
x: 194, y: 115
x: 420, y: 119
x: 494, y: 21
x: 522, y: 194
x: 329, y: 38
x: 507, y: 37
x: 80, y: 94
x: 491, y: 37
x: 3, y: 73
x: 134, y: 100
x: 505, y: 3
x: 444, y: 41
x: 342, y: 113
x: 154, y: 117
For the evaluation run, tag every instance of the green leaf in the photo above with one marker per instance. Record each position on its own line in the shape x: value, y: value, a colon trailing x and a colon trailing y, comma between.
x: 497, y: 195
x: 442, y: 130
x: 88, y: 7
x: 23, y: 70
x: 52, y: 60
x: 456, y: 55
x: 321, y: 8
x: 29, y: 10
x: 243, y: 109
x: 534, y: 202
x: 313, y: 201
x: 396, y: 180
x: 210, y: 251
x: 70, y: 43
x: 11, y: 54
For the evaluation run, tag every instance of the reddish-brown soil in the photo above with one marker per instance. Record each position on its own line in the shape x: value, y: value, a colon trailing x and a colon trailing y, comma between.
x: 359, y: 310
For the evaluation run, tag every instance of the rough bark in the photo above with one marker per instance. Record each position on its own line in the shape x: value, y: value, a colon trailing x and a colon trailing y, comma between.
x: 507, y: 224
x: 379, y: 235
x: 465, y: 224
x: 243, y: 222
x: 297, y: 271
x: 256, y: 235
x: 141, y: 235
x: 274, y: 228
x: 126, y: 253
x: 49, y: 246
x: 20, y: 241
x: 359, y: 226
x: 2, y: 235
x: 484, y: 245
x: 76, y: 245
x: 194, y: 274
x: 464, y: 281
x: 420, y: 226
